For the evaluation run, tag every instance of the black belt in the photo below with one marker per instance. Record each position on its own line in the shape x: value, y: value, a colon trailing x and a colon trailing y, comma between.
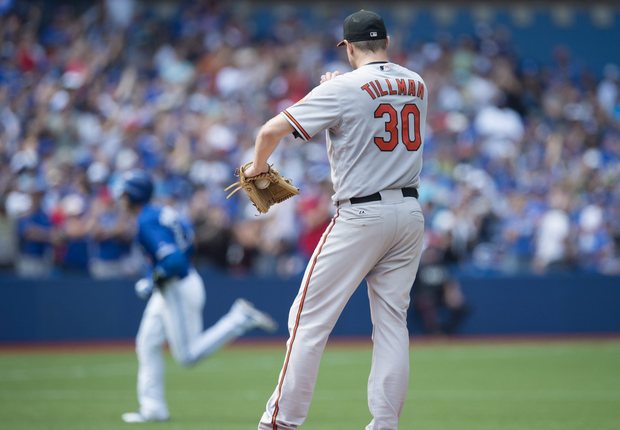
x: 407, y: 192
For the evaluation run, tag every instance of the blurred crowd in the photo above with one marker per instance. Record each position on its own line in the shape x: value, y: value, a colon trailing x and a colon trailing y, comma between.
x: 522, y: 159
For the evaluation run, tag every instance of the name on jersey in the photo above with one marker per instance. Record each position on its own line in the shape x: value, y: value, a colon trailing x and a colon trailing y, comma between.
x: 394, y: 87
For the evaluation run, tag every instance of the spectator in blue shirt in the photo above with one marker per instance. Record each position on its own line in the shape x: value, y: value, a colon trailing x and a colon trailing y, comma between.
x: 36, y: 236
x: 112, y: 232
x: 75, y: 234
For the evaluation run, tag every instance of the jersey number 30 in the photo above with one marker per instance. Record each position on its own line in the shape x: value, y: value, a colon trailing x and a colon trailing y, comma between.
x: 409, y: 133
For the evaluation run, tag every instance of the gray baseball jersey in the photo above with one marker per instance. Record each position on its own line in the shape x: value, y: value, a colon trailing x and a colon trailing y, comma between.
x: 388, y: 142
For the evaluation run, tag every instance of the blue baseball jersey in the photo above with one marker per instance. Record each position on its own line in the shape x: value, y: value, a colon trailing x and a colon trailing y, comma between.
x: 76, y: 254
x: 167, y: 239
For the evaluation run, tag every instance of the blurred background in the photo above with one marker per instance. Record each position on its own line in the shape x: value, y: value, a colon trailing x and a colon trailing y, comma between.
x: 519, y: 186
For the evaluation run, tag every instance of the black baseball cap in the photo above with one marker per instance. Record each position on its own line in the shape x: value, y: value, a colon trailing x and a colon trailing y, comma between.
x: 363, y: 25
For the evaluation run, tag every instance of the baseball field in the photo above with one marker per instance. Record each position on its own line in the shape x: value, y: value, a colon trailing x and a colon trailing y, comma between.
x: 473, y: 385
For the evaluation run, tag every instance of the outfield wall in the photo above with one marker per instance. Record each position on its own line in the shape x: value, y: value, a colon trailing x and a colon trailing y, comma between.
x: 81, y: 309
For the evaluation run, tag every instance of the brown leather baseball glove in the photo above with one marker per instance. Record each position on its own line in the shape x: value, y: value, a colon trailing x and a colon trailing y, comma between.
x: 263, y: 190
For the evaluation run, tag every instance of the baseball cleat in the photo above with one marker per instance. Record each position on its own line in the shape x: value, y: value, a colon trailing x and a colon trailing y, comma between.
x: 259, y: 319
x: 137, y: 417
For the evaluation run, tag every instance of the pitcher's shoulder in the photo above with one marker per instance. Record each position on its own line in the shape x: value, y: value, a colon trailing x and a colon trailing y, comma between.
x: 406, y: 71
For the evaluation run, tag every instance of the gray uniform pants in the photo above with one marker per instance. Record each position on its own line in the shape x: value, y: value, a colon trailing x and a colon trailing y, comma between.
x: 380, y: 241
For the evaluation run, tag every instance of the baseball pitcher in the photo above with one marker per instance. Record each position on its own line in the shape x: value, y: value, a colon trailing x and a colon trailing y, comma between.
x: 375, y: 120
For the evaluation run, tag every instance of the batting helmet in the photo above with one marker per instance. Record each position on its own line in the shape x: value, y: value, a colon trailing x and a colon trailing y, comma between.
x: 138, y: 186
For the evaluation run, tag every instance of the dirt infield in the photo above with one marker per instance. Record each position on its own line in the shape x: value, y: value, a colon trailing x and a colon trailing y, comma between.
x: 336, y: 342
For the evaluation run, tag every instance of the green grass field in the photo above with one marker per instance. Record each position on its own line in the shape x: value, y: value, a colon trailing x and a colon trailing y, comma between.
x: 461, y: 386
